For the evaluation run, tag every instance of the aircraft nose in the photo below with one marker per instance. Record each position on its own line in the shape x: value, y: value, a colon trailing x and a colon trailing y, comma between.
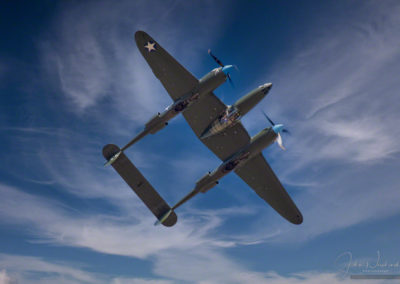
x: 226, y: 69
x: 266, y: 87
x: 277, y: 128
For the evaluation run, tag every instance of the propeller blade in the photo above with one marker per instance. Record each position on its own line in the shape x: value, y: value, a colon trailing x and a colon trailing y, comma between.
x: 279, y: 141
x: 286, y: 131
x: 215, y: 58
x: 270, y: 121
x: 230, y: 81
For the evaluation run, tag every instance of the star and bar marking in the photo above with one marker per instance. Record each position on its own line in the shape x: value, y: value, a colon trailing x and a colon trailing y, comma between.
x: 150, y: 46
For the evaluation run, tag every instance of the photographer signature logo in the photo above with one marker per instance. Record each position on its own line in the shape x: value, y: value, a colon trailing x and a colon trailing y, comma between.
x: 376, y: 265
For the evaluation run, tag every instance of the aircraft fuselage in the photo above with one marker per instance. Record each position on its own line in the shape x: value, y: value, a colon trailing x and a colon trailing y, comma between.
x: 234, y: 113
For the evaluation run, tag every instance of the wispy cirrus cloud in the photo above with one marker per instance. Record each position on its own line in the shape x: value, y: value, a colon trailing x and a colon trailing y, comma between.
x: 340, y: 90
x: 27, y: 269
x: 182, y: 254
x: 22, y: 269
x: 129, y: 234
x: 342, y: 84
x: 105, y: 68
x: 121, y: 280
x: 18, y: 269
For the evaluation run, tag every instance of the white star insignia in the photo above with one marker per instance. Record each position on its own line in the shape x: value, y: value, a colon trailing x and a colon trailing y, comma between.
x: 150, y: 46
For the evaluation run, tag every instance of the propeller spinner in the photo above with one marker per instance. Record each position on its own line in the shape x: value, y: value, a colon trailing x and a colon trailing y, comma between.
x: 277, y: 128
x: 225, y: 68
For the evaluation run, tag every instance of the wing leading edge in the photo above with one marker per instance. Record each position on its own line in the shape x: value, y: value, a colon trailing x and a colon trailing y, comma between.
x: 260, y: 177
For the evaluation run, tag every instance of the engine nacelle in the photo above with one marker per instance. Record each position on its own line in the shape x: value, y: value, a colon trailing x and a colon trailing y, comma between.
x: 250, y: 100
x: 211, y: 81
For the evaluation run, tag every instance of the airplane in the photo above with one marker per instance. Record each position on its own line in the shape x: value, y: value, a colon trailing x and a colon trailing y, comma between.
x: 216, y: 125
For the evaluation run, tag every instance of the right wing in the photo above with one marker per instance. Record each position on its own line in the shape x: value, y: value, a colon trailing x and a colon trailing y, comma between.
x: 174, y: 77
x: 260, y: 177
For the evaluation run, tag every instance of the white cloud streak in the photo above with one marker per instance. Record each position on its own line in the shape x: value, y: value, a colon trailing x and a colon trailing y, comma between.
x: 342, y: 87
x: 53, y: 223
x: 183, y: 254
x: 96, y: 58
x: 18, y: 269
x: 139, y: 281
x: 341, y: 91
x: 132, y: 234
x: 24, y: 269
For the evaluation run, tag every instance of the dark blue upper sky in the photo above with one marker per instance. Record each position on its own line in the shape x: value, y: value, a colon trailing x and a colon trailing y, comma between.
x: 72, y: 80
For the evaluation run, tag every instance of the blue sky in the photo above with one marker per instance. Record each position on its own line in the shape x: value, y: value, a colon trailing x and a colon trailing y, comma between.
x: 72, y: 80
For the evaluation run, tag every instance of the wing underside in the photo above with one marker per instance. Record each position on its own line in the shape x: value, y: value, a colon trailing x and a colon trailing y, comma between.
x: 178, y: 81
x: 175, y: 78
x: 260, y: 177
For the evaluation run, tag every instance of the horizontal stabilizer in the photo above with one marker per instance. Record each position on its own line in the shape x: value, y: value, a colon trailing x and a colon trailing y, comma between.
x: 140, y: 185
x: 163, y: 218
x: 112, y: 159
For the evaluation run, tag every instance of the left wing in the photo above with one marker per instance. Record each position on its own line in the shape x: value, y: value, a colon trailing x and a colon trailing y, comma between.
x: 260, y: 177
x: 176, y: 79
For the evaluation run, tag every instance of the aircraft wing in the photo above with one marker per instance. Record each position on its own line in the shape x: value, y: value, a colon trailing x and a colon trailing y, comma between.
x: 227, y: 142
x: 260, y: 177
x: 174, y: 77
x: 178, y: 81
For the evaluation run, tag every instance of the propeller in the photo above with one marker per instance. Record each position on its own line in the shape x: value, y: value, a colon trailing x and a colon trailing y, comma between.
x: 277, y: 128
x: 225, y: 68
